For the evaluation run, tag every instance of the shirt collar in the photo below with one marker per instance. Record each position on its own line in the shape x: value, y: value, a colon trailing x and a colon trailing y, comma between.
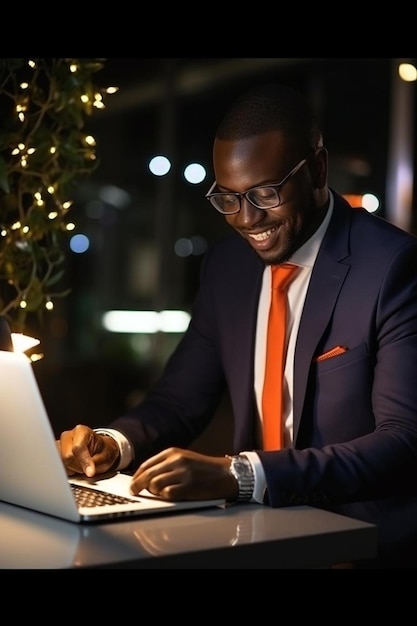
x: 306, y: 255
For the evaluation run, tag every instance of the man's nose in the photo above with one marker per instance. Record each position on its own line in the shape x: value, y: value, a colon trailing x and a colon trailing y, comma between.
x: 248, y: 213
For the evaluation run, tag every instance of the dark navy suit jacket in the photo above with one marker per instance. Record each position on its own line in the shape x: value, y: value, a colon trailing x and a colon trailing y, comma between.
x: 355, y: 415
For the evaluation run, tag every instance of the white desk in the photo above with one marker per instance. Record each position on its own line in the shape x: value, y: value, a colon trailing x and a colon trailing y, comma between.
x: 239, y: 536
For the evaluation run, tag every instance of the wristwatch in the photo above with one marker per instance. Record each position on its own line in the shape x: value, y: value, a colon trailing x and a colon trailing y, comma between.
x: 241, y: 469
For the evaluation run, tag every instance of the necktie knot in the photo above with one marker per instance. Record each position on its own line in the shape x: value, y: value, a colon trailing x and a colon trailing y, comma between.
x: 282, y: 275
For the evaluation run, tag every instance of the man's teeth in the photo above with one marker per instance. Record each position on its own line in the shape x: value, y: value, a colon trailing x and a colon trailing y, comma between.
x: 263, y: 236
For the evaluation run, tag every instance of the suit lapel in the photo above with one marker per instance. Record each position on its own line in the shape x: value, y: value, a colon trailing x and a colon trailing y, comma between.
x: 241, y: 344
x: 327, y: 278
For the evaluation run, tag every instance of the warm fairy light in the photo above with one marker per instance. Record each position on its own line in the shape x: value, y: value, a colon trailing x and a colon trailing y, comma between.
x: 20, y: 108
x: 23, y: 304
x: 52, y: 149
x: 16, y: 226
x: 20, y: 148
x: 70, y: 226
x: 49, y: 305
x: 111, y: 90
x: 89, y: 139
x: 73, y: 67
x: 52, y: 215
x: 25, y: 230
x: 84, y: 98
x: 51, y: 189
x: 67, y: 205
x: 31, y: 63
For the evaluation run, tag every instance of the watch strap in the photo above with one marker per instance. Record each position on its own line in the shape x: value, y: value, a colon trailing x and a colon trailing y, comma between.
x: 242, y: 471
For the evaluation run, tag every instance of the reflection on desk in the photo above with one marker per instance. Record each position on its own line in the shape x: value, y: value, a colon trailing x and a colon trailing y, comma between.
x: 248, y: 536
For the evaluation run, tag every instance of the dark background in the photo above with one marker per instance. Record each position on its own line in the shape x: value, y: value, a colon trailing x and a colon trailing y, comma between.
x: 172, y: 106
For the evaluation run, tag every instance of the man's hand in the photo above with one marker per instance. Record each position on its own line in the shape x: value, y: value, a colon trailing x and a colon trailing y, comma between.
x: 176, y: 474
x: 83, y: 451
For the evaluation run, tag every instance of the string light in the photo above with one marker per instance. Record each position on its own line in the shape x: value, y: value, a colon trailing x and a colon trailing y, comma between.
x: 44, y: 160
x: 49, y: 305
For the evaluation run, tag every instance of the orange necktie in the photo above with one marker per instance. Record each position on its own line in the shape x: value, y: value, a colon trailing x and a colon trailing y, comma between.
x: 272, y: 395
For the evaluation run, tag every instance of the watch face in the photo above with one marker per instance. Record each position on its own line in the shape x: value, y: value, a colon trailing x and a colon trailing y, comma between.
x: 242, y: 466
x: 241, y: 470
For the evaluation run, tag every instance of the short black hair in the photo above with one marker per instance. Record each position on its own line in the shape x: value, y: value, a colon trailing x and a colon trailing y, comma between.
x: 268, y: 107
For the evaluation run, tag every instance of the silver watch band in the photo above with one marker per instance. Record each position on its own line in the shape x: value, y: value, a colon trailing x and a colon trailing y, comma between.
x: 241, y: 469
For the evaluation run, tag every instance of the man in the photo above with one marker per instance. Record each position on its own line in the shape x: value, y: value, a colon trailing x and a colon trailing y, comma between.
x: 350, y: 420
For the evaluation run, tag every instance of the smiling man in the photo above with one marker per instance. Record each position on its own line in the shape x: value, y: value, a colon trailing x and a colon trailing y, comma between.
x: 349, y: 394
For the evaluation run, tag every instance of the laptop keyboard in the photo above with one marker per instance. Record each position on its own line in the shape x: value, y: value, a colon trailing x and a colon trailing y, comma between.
x: 89, y: 497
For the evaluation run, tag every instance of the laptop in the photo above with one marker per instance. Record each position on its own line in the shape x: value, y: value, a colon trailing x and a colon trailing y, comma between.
x: 32, y: 474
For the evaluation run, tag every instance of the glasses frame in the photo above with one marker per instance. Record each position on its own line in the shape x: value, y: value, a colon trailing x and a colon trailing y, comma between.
x: 209, y: 195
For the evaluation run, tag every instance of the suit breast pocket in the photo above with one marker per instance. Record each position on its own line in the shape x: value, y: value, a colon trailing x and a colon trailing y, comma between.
x: 340, y: 406
x: 341, y: 360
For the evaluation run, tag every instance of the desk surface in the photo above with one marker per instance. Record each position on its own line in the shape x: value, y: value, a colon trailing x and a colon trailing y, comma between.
x: 243, y: 536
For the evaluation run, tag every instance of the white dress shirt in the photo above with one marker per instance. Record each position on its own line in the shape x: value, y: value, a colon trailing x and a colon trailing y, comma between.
x: 305, y: 258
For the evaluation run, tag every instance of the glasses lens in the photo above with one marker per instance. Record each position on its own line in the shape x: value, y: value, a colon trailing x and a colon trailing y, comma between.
x: 225, y: 202
x: 264, y: 197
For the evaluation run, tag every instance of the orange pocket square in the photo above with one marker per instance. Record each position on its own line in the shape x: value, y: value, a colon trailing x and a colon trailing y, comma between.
x: 331, y: 353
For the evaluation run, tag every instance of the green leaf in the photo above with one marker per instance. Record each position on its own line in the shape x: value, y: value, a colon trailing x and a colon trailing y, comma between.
x: 54, y: 279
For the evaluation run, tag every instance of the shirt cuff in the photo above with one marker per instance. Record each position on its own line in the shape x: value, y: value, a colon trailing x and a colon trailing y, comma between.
x: 126, y: 452
x: 259, y: 474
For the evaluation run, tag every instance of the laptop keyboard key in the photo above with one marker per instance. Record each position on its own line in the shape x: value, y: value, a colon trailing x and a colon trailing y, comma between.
x: 89, y: 497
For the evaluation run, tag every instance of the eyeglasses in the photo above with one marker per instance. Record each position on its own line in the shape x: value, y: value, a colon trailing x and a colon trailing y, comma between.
x: 263, y: 197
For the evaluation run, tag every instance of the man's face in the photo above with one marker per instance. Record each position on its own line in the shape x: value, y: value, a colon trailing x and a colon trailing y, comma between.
x: 274, y: 233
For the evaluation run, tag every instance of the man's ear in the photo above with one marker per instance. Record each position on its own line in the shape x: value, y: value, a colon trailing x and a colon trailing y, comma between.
x: 319, y: 168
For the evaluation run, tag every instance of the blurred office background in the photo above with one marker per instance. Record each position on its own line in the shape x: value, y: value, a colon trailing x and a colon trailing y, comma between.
x: 141, y: 232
